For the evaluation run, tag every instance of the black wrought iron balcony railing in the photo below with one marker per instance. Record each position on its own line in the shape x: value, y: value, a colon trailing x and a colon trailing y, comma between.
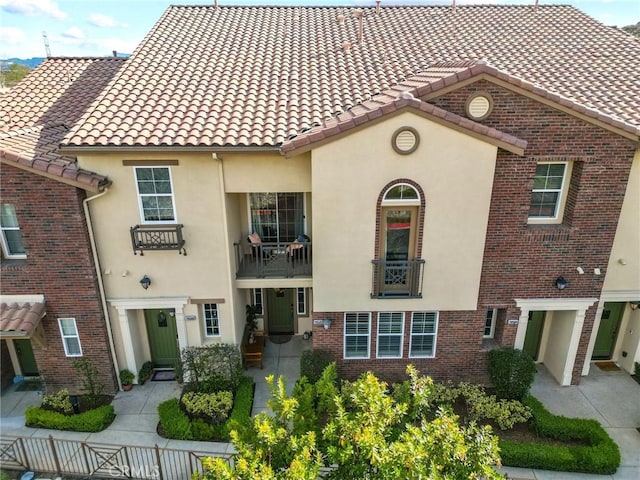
x: 157, y: 237
x: 273, y: 259
x: 397, y: 279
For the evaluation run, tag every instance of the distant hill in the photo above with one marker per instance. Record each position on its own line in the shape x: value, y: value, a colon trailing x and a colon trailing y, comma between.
x: 27, y: 62
x: 633, y: 29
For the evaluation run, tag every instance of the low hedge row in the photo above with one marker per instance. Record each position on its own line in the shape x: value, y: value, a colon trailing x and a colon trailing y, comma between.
x: 90, y: 421
x: 600, y: 454
x: 176, y: 425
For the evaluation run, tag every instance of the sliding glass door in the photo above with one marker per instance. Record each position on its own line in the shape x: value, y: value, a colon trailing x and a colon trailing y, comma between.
x: 277, y: 217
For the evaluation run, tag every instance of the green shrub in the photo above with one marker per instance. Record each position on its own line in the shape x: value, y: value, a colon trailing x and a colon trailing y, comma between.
x: 90, y: 421
x: 175, y: 423
x: 480, y: 406
x: 636, y: 369
x: 600, y: 454
x: 313, y: 363
x: 145, y: 372
x: 91, y: 384
x: 58, y: 402
x: 126, y: 377
x: 213, y: 407
x: 512, y: 372
x: 212, y: 368
x: 241, y: 413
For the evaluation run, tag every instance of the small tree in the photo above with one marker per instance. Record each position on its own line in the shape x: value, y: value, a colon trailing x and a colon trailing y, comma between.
x: 90, y: 383
x: 512, y: 372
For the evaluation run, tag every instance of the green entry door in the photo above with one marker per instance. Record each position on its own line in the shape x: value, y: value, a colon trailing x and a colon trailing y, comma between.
x: 280, y: 310
x: 25, y: 357
x: 534, y: 334
x: 608, y: 331
x: 163, y: 337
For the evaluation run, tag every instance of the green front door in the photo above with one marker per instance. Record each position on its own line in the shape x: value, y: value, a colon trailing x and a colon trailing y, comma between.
x: 163, y: 337
x: 608, y: 331
x: 25, y: 357
x: 534, y: 334
x: 280, y: 310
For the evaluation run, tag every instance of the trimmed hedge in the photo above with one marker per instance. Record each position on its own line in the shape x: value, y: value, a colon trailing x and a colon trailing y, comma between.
x: 90, y: 421
x: 601, y: 454
x: 177, y: 425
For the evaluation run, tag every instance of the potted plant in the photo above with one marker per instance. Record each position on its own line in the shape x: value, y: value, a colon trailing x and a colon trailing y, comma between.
x: 145, y: 372
x: 126, y: 378
x: 252, y: 322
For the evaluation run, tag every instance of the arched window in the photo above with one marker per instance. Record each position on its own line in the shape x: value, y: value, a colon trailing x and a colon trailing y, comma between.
x: 401, y: 192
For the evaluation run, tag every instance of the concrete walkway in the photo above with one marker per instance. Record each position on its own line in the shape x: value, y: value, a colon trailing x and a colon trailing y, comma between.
x: 612, y: 398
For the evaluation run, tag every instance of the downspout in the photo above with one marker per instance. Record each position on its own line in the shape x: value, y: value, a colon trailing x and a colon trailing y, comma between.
x: 96, y: 262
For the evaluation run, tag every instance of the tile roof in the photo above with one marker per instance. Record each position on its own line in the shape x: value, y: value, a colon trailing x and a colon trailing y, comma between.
x: 20, y: 318
x: 256, y: 76
x: 36, y: 113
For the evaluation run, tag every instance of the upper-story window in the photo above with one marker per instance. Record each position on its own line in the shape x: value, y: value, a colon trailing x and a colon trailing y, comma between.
x: 400, y: 205
x: 70, y: 337
x: 549, y: 193
x: 277, y: 217
x: 155, y: 194
x: 12, y: 246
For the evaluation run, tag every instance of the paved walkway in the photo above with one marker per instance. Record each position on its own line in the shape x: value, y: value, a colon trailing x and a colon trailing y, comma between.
x: 612, y: 398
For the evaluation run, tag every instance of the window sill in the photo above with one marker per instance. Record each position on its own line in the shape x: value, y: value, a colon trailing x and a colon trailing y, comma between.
x: 548, y: 232
x: 489, y: 344
x: 13, y: 264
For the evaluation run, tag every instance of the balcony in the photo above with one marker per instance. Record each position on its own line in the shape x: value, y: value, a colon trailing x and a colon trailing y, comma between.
x: 273, y: 259
x: 397, y: 279
x: 157, y: 237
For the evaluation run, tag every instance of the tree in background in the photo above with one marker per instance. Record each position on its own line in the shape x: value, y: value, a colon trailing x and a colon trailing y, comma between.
x: 633, y: 29
x: 11, y: 74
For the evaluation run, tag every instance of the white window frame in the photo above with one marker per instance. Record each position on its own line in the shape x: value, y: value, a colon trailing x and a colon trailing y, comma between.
x: 562, y: 195
x: 301, y: 304
x: 206, y: 319
x: 401, y: 201
x: 434, y: 334
x: 395, y: 316
x: 65, y: 337
x: 492, y: 326
x: 368, y: 335
x: 255, y: 294
x: 140, y: 195
x: 5, y: 243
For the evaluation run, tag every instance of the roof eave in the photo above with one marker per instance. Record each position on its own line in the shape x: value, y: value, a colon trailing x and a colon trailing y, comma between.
x: 77, y: 149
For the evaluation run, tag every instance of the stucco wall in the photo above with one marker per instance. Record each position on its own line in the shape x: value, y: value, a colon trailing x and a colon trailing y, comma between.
x: 456, y: 173
x: 560, y: 325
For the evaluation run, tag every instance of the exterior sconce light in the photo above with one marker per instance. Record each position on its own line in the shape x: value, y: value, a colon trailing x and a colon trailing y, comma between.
x: 634, y: 305
x: 145, y: 282
x: 561, y: 283
x: 326, y: 323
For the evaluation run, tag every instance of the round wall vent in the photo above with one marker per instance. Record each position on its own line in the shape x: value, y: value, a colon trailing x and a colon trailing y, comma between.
x: 479, y: 106
x: 405, y: 140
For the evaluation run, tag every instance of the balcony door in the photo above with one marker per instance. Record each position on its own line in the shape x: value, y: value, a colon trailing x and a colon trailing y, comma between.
x: 398, y: 227
x: 277, y: 217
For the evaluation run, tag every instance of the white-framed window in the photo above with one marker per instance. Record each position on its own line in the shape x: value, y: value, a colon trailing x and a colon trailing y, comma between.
x: 401, y: 193
x: 357, y: 334
x: 390, y: 334
x: 211, y: 320
x: 12, y: 246
x: 155, y: 194
x: 70, y: 337
x: 301, y: 295
x: 490, y: 323
x: 256, y: 298
x: 424, y: 329
x: 549, y: 192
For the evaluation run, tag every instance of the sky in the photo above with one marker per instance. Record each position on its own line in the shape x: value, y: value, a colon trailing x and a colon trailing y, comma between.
x: 97, y: 27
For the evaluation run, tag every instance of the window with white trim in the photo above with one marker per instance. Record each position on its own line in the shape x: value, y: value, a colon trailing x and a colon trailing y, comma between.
x: 12, y: 246
x: 211, y: 320
x: 357, y: 334
x: 424, y: 328
x: 301, y: 294
x: 256, y: 297
x: 390, y: 334
x: 549, y: 192
x: 155, y: 194
x: 490, y: 323
x: 70, y: 337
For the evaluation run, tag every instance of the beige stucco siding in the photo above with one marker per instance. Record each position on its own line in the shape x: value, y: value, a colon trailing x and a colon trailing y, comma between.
x: 560, y: 325
x: 456, y: 173
x: 263, y: 172
x: 623, y: 271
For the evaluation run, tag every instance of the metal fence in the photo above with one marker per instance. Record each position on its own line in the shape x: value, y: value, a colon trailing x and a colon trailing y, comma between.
x: 73, y: 457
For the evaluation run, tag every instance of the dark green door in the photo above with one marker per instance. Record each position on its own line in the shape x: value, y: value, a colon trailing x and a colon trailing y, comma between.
x: 163, y: 337
x: 534, y: 334
x: 608, y: 331
x: 26, y: 358
x: 280, y: 310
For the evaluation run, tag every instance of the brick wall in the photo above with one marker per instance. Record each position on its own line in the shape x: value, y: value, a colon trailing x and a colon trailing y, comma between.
x: 521, y: 260
x: 59, y: 265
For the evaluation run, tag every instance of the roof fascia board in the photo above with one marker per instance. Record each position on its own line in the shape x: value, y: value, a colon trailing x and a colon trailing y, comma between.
x: 74, y: 150
x: 66, y: 181
x: 538, y: 98
x: 498, y: 143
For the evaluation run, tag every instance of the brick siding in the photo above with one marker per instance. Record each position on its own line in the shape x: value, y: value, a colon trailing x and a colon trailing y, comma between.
x: 59, y: 265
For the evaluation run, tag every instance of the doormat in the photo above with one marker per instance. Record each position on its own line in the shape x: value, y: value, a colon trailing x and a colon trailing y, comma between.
x: 608, y: 366
x: 279, y: 338
x: 29, y: 386
x: 163, y: 376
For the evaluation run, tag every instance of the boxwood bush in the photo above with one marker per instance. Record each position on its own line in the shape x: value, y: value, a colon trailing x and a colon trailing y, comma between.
x: 90, y: 421
x: 600, y: 454
x: 313, y: 363
x: 512, y: 372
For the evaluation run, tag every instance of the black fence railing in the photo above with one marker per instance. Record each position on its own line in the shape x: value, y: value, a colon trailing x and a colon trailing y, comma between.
x: 273, y: 259
x: 157, y: 237
x: 397, y: 279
